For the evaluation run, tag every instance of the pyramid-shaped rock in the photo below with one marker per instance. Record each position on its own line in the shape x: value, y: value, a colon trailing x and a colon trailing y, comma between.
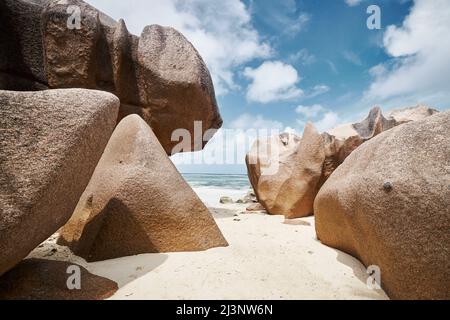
x: 50, y: 143
x: 137, y: 202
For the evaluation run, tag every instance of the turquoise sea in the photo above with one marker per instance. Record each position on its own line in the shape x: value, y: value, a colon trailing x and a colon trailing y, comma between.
x: 222, y: 181
x: 210, y: 187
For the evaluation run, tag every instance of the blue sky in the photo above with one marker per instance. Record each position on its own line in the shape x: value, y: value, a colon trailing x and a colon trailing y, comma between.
x: 279, y: 64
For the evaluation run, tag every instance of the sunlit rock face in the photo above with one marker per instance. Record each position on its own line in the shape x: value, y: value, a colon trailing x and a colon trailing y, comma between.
x: 137, y: 202
x: 50, y: 143
x: 159, y: 75
x: 388, y: 205
x: 287, y: 171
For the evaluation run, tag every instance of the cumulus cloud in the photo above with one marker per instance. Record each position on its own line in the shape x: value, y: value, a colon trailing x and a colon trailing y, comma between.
x: 310, y: 111
x: 420, y: 49
x: 272, y: 81
x: 247, y: 120
x: 329, y: 120
x: 322, y: 118
x: 220, y: 30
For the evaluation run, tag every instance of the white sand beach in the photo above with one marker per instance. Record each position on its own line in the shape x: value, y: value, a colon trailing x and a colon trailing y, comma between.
x: 267, y: 258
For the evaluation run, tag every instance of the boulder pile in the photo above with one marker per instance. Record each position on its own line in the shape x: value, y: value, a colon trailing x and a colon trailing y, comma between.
x: 388, y: 205
x: 287, y: 171
x: 126, y: 199
x: 159, y: 75
x: 379, y: 190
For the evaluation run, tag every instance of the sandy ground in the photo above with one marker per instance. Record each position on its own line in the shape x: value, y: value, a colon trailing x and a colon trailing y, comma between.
x: 267, y: 258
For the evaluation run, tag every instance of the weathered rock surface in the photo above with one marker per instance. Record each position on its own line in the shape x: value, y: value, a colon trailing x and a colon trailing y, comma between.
x: 342, y: 140
x: 159, y: 76
x: 50, y: 143
x: 279, y: 156
x: 411, y: 113
x: 374, y: 124
x: 388, y: 204
x: 267, y: 154
x: 137, y: 202
x: 40, y: 279
x: 290, y: 186
x: 21, y: 48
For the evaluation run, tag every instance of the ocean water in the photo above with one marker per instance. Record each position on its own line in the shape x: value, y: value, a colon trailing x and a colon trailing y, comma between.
x: 210, y: 187
x: 222, y: 181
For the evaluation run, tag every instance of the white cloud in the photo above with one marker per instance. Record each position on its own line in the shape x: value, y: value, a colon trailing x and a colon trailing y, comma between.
x: 318, y: 90
x: 420, y: 51
x: 302, y: 56
x: 285, y: 17
x: 272, y: 81
x: 220, y: 30
x: 297, y: 25
x: 310, y: 111
x: 329, y: 120
x: 352, y: 57
x: 332, y: 66
x: 290, y: 130
x: 322, y: 118
x: 378, y: 71
x: 353, y: 3
x: 246, y: 121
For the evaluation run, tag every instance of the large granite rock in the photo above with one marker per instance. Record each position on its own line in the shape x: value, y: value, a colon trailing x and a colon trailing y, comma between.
x: 266, y: 155
x: 50, y: 143
x: 40, y: 279
x: 273, y: 162
x: 374, y: 124
x: 388, y: 204
x: 21, y: 47
x: 342, y: 140
x: 137, y: 202
x: 159, y: 76
x: 408, y: 114
x: 290, y: 189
